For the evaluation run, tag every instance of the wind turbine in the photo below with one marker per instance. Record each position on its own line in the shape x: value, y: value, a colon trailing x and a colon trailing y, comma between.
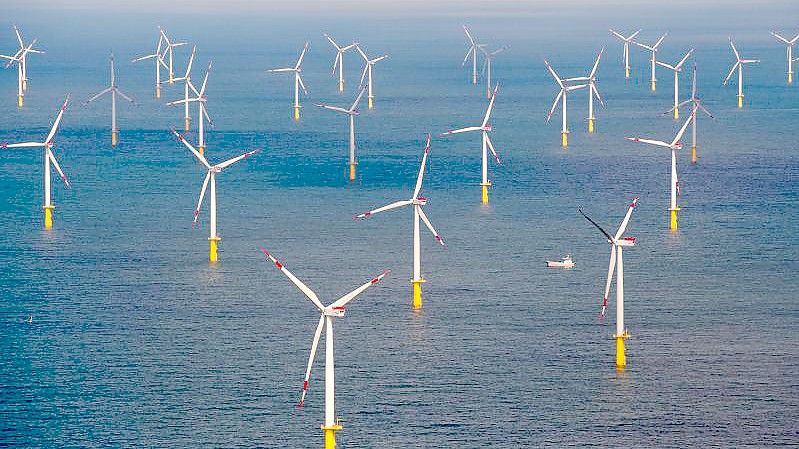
x: 351, y: 112
x: 676, y: 144
x: 484, y: 127
x: 739, y: 64
x: 592, y: 90
x: 297, y: 71
x: 367, y: 70
x: 489, y: 59
x: 789, y: 50
x: 213, y: 170
x: 677, y: 68
x: 561, y: 96
x: 473, y: 46
x: 20, y: 58
x: 626, y: 58
x: 202, y: 112
x: 335, y: 309
x: 159, y: 62
x: 186, y: 78
x: 654, y: 49
x: 168, y: 51
x: 339, y: 61
x: 49, y: 158
x: 697, y: 105
x: 617, y: 242
x: 417, y: 202
x: 114, y: 90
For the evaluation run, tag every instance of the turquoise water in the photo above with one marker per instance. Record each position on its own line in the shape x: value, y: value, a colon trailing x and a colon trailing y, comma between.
x: 137, y: 341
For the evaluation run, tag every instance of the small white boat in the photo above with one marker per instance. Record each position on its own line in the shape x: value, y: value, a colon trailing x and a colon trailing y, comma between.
x: 566, y: 262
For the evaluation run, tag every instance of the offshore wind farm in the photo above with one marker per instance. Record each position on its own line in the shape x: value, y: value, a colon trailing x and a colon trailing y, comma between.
x: 122, y: 327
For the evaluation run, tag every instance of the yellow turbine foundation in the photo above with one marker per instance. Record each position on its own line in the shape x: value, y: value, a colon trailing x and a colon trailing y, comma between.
x: 673, y: 220
x: 296, y: 113
x: 201, y: 149
x: 676, y: 113
x: 654, y: 86
x: 484, y: 197
x: 590, y: 125
x: 352, y: 172
x: 158, y: 91
x: 371, y: 102
x: 114, y: 138
x: 48, y: 217
x: 564, y: 141
x: 330, y: 435
x: 626, y: 73
x: 212, y: 253
x: 341, y: 86
x: 693, y: 154
x: 621, y: 358
x: 740, y: 101
x: 20, y: 100
x: 187, y: 124
x: 417, y: 292
x: 790, y: 77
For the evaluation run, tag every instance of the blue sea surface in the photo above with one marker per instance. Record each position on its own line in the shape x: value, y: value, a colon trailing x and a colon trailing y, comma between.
x: 136, y: 341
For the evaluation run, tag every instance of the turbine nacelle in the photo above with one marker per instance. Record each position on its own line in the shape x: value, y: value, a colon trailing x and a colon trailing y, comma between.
x: 625, y: 241
x: 419, y: 201
x: 338, y: 311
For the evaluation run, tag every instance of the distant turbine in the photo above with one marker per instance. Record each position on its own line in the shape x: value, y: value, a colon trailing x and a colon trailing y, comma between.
x: 561, y: 96
x: 677, y: 68
x: 186, y: 78
x: 739, y: 64
x: 113, y: 89
x: 653, y: 49
x: 484, y: 128
x: 159, y: 63
x: 626, y: 57
x: 489, y: 59
x: 297, y: 71
x: 202, y: 112
x: 696, y: 103
x: 351, y: 112
x: 673, y: 146
x: 49, y: 158
x: 789, y: 49
x: 20, y: 58
x: 418, y: 214
x: 592, y: 90
x: 339, y: 61
x: 367, y: 72
x: 473, y: 47
x: 168, y: 51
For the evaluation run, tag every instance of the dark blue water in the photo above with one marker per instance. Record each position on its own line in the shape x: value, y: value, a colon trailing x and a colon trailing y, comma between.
x: 137, y: 341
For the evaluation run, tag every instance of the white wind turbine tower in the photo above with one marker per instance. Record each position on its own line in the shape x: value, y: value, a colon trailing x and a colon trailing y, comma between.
x: 297, y: 71
x: 20, y: 58
x: 561, y: 96
x: 473, y: 47
x: 484, y: 128
x: 159, y: 63
x: 351, y: 113
x: 169, y: 51
x: 202, y: 112
x: 367, y: 72
x: 626, y: 40
x: 49, y: 158
x: 186, y: 78
x: 210, y: 178
x: 739, y: 64
x: 673, y: 146
x: 592, y: 90
x: 653, y: 49
x: 617, y: 242
x: 418, y: 214
x: 489, y: 59
x: 339, y: 61
x: 789, y: 50
x: 696, y: 105
x: 335, y: 309
x: 677, y: 69
x: 114, y: 90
